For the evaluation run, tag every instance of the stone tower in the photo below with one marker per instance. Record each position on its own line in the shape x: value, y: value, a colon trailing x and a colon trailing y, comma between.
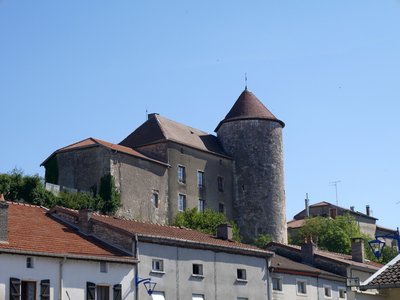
x: 252, y: 136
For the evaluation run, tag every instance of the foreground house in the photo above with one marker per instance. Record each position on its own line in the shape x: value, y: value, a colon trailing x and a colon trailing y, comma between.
x: 184, y: 263
x: 293, y: 279
x: 354, y: 268
x: 42, y: 258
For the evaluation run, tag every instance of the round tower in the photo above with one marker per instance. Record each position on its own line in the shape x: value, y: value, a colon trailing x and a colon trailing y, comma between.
x: 252, y: 136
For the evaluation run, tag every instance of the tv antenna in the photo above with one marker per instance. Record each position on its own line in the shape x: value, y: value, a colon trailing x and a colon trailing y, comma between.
x: 335, y: 183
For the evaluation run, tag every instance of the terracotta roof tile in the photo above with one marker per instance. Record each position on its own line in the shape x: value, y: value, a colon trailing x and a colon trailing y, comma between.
x: 247, y: 106
x: 170, y: 233
x: 90, y: 142
x: 282, y: 264
x: 30, y: 229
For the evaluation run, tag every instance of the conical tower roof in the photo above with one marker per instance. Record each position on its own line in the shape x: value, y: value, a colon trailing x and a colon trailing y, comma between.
x: 248, y: 107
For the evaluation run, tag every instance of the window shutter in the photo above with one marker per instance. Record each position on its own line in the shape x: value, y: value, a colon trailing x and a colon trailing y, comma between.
x: 15, y: 289
x: 117, y: 292
x: 90, y: 290
x: 45, y: 289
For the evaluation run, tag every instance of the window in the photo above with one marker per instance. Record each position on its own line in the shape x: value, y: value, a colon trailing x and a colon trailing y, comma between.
x: 197, y: 297
x: 197, y: 269
x: 327, y: 291
x: 103, y: 267
x: 154, y: 199
x: 221, y: 208
x: 181, y: 174
x: 220, y: 184
x: 200, y: 206
x: 241, y: 274
x: 28, y: 290
x: 301, y: 287
x: 342, y: 293
x: 29, y: 262
x: 181, y: 202
x: 157, y: 265
x: 103, y: 292
x: 200, y: 179
x: 277, y: 284
x: 242, y: 298
x: 157, y: 296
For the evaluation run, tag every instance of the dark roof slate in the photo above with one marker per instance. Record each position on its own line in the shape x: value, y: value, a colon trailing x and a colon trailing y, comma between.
x: 387, y: 277
x: 246, y: 107
x: 160, y: 129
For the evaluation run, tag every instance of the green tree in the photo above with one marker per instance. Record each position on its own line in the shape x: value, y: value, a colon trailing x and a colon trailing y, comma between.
x: 110, y: 198
x: 330, y: 234
x: 262, y: 240
x: 206, y: 221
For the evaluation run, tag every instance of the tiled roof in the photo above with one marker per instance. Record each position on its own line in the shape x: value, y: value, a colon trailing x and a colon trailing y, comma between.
x: 285, y: 265
x: 324, y: 203
x: 160, y: 129
x: 339, y: 257
x: 170, y: 234
x: 296, y: 223
x: 31, y: 230
x: 387, y: 277
x: 90, y: 142
x: 247, y: 106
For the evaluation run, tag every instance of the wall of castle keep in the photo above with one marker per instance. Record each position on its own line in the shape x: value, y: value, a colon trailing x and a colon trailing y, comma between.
x: 82, y: 168
x: 213, y: 166
x: 137, y: 179
x: 259, y: 194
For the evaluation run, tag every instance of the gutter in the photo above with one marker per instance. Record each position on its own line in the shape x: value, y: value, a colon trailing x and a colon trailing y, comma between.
x: 70, y: 256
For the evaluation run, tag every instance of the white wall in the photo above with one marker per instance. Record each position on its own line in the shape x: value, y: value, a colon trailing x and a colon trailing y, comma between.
x: 315, y: 287
x: 219, y: 273
x: 75, y: 274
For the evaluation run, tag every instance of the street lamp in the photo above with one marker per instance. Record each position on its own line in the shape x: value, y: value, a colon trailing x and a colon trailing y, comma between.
x: 377, y: 245
x: 148, y: 284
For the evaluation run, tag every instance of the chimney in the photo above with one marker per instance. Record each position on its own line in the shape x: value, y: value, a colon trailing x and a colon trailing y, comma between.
x: 352, y: 208
x: 357, y: 249
x: 224, y: 232
x: 151, y: 115
x: 3, y: 220
x: 367, y: 210
x: 308, y: 250
x: 307, y: 203
x: 84, y: 218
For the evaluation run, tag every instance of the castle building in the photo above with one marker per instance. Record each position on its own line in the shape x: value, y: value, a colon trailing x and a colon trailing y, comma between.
x: 164, y: 167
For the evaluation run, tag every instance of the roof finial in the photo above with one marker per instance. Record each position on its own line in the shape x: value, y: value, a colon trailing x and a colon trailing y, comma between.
x: 245, y: 80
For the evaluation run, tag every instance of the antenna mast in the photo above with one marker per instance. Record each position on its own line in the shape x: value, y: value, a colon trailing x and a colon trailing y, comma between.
x: 335, y: 183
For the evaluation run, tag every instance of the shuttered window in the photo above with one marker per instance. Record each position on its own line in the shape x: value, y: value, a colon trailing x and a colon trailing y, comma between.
x: 117, y: 292
x: 90, y: 291
x: 45, y: 289
x: 15, y: 289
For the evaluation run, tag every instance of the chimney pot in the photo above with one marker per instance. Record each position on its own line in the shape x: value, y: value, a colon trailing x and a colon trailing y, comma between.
x: 308, y: 250
x: 224, y: 232
x: 367, y: 210
x: 3, y: 221
x: 357, y: 249
x: 84, y: 218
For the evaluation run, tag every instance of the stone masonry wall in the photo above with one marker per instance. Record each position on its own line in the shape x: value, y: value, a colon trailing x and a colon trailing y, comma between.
x: 259, y: 202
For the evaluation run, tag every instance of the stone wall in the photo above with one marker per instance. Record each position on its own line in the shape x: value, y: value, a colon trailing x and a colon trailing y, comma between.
x: 82, y: 169
x: 259, y: 202
x: 137, y: 179
x: 213, y: 166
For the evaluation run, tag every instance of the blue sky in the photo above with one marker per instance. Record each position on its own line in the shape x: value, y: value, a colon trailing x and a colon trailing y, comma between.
x: 329, y: 69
